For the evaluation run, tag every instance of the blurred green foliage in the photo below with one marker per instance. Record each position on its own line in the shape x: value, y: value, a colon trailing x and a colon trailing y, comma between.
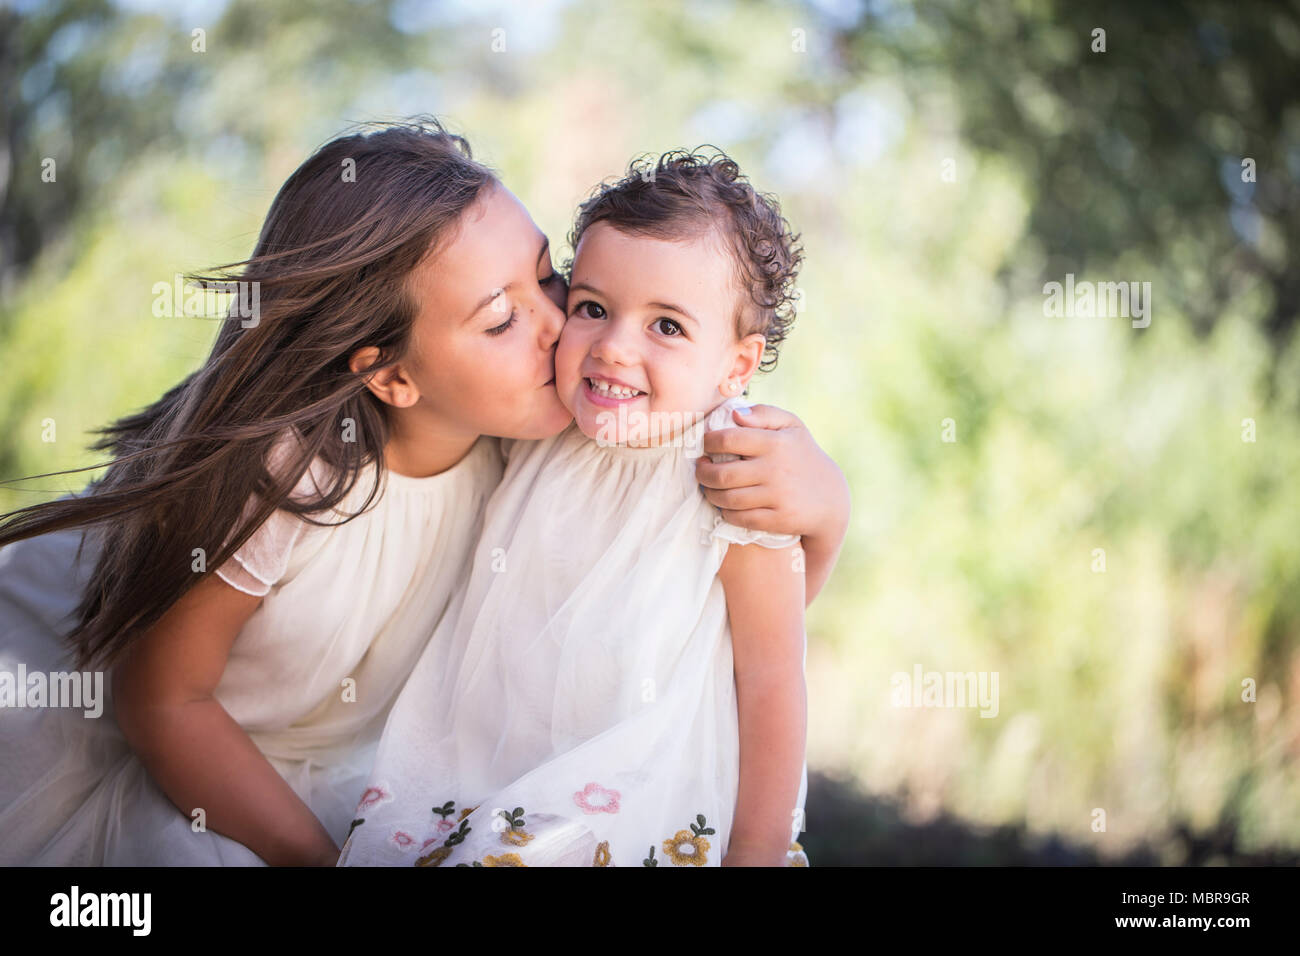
x: 1121, y: 689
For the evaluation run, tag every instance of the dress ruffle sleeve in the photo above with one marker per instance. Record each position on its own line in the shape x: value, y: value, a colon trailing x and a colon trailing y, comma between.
x: 263, y: 559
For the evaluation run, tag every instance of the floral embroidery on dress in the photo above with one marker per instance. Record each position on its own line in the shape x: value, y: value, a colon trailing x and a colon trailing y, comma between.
x: 373, y: 797
x: 438, y: 856
x: 602, y: 854
x: 435, y: 858
x: 403, y: 839
x: 505, y: 859
x: 593, y: 798
x: 688, y: 847
x: 797, y: 856
x: 447, y: 809
x: 514, y: 834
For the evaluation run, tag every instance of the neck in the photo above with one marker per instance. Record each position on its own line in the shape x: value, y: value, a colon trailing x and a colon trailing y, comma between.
x: 420, y: 448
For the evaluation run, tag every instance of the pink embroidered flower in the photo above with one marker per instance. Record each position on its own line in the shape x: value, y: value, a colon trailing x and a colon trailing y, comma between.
x: 403, y: 840
x: 436, y: 838
x: 593, y: 798
x: 444, y: 825
x: 373, y: 797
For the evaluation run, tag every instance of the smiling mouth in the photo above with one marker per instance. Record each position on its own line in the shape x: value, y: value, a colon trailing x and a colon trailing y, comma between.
x: 611, y: 391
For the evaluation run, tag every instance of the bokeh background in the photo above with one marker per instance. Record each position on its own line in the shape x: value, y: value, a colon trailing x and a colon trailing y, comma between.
x: 943, y: 160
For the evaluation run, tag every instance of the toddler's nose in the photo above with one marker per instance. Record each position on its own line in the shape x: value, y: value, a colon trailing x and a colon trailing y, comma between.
x: 614, y: 345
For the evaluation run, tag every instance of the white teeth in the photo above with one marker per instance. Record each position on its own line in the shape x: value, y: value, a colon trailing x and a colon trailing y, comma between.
x: 610, y: 390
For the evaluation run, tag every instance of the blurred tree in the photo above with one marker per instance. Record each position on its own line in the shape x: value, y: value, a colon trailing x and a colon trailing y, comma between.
x: 63, y: 68
x: 86, y: 75
x: 1130, y: 141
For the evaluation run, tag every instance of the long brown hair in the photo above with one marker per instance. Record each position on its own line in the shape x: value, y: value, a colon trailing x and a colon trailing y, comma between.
x: 332, y: 265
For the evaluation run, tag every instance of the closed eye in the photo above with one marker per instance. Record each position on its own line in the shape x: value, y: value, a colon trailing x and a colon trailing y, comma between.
x: 503, y: 326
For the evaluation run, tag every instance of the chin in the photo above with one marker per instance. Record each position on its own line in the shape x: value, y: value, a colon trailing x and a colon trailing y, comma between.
x: 552, y: 424
x: 593, y: 430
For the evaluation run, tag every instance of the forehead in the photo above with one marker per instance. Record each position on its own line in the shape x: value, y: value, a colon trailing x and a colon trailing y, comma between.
x: 496, y: 227
x: 492, y: 244
x: 637, y: 269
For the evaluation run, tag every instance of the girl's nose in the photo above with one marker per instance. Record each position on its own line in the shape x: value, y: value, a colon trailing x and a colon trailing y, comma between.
x: 614, y: 344
x: 550, y: 322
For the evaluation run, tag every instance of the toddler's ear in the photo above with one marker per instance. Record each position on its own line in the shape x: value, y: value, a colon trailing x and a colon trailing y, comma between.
x: 749, y: 353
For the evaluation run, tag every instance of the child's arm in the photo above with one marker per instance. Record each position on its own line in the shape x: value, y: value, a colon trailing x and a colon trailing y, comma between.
x: 787, y: 485
x: 193, y: 748
x: 765, y: 602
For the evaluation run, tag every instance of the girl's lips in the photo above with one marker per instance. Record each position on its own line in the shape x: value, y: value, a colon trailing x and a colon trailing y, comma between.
x: 606, y: 401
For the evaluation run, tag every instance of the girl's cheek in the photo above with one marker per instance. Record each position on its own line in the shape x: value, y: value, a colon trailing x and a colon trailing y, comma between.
x: 567, y: 341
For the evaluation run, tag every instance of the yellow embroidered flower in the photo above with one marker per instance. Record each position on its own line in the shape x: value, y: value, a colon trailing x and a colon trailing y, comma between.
x: 602, y: 854
x: 685, y: 849
x: 505, y: 859
x: 466, y: 812
x: 799, y: 858
x: 434, y: 857
x: 515, y: 837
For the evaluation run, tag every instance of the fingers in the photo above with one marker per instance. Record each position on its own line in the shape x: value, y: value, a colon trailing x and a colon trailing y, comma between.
x: 766, y: 416
x: 738, y: 499
x: 755, y: 519
x: 750, y: 442
x: 727, y: 474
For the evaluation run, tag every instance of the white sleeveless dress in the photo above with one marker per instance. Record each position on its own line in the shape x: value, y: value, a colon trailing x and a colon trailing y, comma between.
x: 311, y: 676
x: 576, y: 706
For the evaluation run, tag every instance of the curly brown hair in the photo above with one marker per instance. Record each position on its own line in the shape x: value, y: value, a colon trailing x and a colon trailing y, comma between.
x: 685, y: 193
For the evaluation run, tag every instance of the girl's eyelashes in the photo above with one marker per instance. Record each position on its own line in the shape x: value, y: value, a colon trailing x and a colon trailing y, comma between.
x: 593, y: 310
x: 546, y: 282
x: 503, y: 326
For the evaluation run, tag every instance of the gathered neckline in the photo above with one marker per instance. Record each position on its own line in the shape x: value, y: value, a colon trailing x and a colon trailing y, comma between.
x: 690, y: 438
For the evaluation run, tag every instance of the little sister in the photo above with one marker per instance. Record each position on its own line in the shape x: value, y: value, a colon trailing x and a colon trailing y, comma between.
x: 621, y: 682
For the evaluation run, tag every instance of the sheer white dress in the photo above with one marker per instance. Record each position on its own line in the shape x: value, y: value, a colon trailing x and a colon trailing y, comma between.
x: 577, y: 705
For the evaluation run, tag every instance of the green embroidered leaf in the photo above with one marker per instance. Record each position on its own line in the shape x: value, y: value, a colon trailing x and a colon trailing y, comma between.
x: 459, y: 835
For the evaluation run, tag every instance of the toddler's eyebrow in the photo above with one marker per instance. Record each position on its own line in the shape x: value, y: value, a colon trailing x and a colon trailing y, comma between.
x: 586, y: 285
